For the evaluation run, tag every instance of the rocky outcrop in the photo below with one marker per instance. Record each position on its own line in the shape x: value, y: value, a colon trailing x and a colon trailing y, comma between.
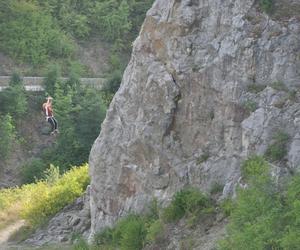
x: 185, y: 115
x: 73, y: 219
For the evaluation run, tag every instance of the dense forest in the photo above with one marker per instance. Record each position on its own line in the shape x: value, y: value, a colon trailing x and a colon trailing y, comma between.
x: 41, y: 32
x: 44, y: 34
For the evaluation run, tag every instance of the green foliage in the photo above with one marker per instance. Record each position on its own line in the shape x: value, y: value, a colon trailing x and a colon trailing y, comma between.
x: 44, y: 199
x: 249, y: 106
x: 80, y: 244
x: 255, y: 88
x: 280, y: 86
x: 29, y: 34
x: 189, y: 202
x: 33, y: 170
x: 263, y: 218
x: 278, y: 149
x: 227, y: 206
x: 216, y: 188
x: 38, y: 201
x: 13, y: 100
x: 113, y: 82
x: 52, y: 79
x: 128, y: 234
x: 155, y: 232
x: 112, y: 19
x: 51, y: 174
x: 203, y: 158
x: 254, y: 167
x: 7, y: 136
x: 266, y: 5
x: 132, y: 233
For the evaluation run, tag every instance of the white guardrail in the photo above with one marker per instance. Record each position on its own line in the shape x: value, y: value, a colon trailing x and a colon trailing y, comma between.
x: 36, y: 83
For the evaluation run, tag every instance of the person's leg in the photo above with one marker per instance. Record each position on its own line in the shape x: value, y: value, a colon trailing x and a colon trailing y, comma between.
x: 50, y: 120
x: 55, y: 124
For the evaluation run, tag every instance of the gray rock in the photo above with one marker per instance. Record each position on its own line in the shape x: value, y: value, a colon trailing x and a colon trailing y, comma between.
x: 74, y: 218
x: 182, y: 94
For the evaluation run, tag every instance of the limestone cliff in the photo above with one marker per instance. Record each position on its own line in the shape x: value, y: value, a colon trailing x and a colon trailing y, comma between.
x: 182, y: 117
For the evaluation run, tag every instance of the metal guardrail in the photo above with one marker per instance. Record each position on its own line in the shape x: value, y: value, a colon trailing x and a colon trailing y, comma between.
x: 36, y: 83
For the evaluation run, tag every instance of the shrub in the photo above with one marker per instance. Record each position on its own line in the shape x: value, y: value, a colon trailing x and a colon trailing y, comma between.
x: 227, y: 206
x: 203, y: 158
x: 104, y: 238
x: 253, y: 167
x: 44, y: 199
x: 263, y: 218
x: 255, y: 88
x: 188, y: 202
x: 250, y: 106
x: 278, y: 149
x: 13, y: 100
x: 7, y: 136
x: 155, y: 232
x: 266, y: 5
x: 216, y: 188
x: 280, y: 86
x: 133, y: 234
x: 33, y: 170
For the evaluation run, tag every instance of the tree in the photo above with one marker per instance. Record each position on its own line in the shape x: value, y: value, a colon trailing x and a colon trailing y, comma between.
x: 7, y: 136
x: 13, y: 100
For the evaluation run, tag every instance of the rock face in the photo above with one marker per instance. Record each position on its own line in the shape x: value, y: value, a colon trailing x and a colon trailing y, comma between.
x: 185, y: 115
x: 74, y: 218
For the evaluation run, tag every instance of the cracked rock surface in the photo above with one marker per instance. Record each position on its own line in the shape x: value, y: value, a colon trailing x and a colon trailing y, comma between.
x: 184, y: 114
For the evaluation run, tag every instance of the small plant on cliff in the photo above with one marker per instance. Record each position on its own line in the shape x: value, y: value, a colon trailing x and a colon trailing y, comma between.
x: 128, y: 234
x: 266, y: 5
x: 189, y: 202
x: 255, y: 88
x: 250, y: 106
x: 253, y: 167
x: 280, y: 86
x: 278, y: 149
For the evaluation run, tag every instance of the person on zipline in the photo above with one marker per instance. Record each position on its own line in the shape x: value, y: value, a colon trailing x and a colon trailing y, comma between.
x: 47, y: 107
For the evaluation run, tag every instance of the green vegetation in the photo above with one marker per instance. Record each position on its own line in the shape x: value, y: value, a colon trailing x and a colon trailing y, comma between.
x: 37, y: 202
x: 29, y: 34
x: 280, y: 86
x: 128, y: 234
x: 203, y: 158
x: 227, y: 206
x: 135, y: 231
x: 264, y: 217
x: 13, y: 100
x: 266, y: 5
x: 7, y: 136
x: 255, y: 88
x: 278, y: 149
x: 250, y: 106
x: 187, y: 202
x: 255, y: 166
x: 216, y: 188
x: 41, y: 31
